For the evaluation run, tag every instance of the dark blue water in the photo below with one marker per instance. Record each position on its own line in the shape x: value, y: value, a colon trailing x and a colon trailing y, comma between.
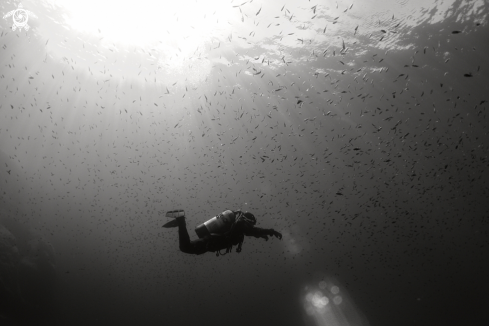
x: 357, y: 130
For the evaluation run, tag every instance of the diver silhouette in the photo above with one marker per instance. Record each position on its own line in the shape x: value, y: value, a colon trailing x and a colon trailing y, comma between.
x: 220, y: 232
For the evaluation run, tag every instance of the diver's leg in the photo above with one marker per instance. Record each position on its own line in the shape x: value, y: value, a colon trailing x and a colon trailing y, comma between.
x: 183, y: 237
x: 196, y: 247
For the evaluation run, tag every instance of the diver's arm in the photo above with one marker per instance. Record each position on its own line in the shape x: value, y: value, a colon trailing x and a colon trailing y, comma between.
x: 262, y: 233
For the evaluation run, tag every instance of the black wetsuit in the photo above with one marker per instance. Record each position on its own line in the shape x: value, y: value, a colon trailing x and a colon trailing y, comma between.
x: 215, y: 243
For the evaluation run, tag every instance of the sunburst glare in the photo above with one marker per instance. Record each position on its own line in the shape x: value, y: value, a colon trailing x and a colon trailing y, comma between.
x: 180, y: 25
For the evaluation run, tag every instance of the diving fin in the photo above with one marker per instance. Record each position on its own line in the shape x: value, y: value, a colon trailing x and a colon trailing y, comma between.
x: 171, y: 224
x: 177, y: 215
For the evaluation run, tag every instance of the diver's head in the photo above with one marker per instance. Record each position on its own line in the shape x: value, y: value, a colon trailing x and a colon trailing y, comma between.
x: 249, y: 218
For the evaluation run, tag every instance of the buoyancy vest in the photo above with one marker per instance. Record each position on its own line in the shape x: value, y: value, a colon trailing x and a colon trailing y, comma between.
x: 233, y: 236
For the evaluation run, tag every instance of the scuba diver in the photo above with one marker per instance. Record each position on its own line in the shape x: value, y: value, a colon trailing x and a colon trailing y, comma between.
x: 220, y: 232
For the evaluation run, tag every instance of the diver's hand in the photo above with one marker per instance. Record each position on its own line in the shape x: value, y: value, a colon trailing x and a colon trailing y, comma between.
x: 276, y: 234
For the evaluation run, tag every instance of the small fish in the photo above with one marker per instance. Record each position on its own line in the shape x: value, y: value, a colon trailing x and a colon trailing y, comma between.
x: 240, y: 4
x: 456, y: 32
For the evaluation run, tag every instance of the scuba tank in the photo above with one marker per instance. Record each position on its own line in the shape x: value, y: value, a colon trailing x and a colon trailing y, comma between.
x: 219, y: 224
